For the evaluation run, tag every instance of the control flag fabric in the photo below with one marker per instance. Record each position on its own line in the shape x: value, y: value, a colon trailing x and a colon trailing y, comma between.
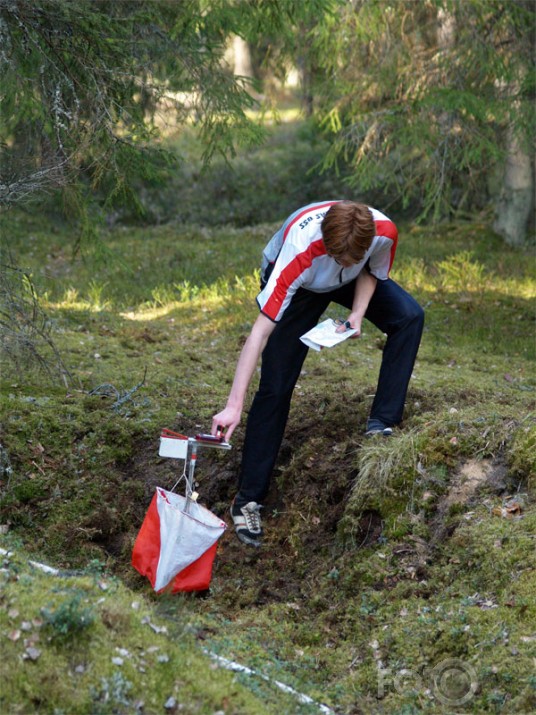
x: 176, y: 544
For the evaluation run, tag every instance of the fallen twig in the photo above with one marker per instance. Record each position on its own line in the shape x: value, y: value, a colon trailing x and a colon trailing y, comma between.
x: 108, y: 389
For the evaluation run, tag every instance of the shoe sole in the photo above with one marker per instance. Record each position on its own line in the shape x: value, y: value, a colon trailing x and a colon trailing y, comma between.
x: 248, y: 540
x: 244, y: 538
x: 384, y: 433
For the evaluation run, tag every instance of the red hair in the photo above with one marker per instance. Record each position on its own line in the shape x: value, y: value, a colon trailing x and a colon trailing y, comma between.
x: 347, y: 230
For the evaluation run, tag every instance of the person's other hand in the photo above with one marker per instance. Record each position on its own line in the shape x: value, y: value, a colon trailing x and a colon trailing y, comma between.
x: 352, y: 323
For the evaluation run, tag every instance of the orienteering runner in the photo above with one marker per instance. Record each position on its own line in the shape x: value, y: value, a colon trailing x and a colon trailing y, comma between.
x: 331, y: 251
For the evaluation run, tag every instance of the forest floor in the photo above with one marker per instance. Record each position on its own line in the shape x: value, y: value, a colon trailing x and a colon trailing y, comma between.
x: 398, y: 575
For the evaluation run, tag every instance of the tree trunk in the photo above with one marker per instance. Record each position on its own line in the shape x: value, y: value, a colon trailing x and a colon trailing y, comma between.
x: 242, y: 57
x: 306, y: 80
x: 515, y: 203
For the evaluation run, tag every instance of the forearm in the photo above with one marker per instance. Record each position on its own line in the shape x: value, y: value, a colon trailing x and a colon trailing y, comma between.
x: 229, y: 417
x: 247, y: 362
x: 364, y: 290
x: 365, y: 286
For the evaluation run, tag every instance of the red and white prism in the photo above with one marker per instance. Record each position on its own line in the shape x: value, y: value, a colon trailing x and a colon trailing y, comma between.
x: 176, y: 545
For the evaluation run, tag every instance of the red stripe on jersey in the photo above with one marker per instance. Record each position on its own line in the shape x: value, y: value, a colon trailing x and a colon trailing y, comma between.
x: 289, y: 274
x: 389, y: 230
x: 307, y: 210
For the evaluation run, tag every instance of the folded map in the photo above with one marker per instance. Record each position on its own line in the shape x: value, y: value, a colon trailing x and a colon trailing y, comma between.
x: 324, y: 335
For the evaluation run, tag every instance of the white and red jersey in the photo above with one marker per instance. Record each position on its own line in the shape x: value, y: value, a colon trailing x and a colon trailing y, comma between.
x: 299, y: 258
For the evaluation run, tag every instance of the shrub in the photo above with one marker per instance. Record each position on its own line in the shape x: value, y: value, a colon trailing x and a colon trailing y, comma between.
x: 69, y: 619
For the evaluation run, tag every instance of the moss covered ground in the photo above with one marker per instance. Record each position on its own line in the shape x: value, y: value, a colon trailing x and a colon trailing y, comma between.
x: 84, y: 643
x: 398, y: 575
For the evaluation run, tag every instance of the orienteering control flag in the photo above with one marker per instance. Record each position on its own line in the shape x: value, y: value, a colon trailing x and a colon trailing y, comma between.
x: 176, y: 544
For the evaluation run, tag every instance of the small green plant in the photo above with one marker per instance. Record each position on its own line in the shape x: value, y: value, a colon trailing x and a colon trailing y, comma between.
x: 162, y: 296
x: 96, y: 296
x: 95, y: 568
x: 69, y: 619
x: 114, y: 691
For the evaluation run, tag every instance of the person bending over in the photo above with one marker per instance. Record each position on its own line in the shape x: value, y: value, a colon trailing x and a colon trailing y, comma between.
x: 331, y: 251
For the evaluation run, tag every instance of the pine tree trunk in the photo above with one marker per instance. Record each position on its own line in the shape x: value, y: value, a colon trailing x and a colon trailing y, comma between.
x: 515, y: 203
x: 242, y: 57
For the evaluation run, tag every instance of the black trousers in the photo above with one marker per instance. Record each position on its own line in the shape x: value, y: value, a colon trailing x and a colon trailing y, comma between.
x: 391, y: 309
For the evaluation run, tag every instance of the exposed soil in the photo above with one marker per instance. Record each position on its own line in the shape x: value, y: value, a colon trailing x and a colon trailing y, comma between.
x: 471, y: 478
x: 300, y: 518
x: 301, y: 515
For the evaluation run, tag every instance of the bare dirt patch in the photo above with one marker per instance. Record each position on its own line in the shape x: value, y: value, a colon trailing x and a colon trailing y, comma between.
x: 472, y: 477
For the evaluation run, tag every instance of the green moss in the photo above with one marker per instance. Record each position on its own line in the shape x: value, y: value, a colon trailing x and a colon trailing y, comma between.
x: 29, y: 491
x: 81, y: 645
x: 470, y: 618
